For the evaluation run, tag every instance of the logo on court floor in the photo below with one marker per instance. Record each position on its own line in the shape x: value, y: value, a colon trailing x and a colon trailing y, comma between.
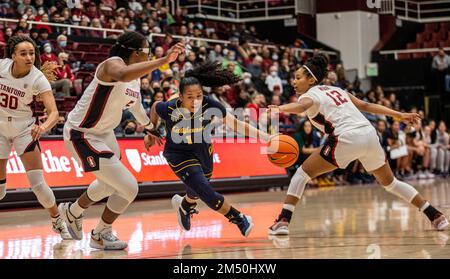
x: 134, y: 159
x: 91, y: 161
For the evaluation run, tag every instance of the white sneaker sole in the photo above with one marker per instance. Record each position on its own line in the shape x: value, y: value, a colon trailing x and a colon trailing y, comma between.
x: 93, y: 244
x: 63, y: 211
x: 176, y: 206
x: 443, y: 225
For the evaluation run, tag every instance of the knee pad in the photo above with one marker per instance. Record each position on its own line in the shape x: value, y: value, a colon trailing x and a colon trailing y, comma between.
x: 198, y: 183
x: 402, y: 190
x: 2, y: 189
x: 117, y: 176
x: 40, y: 188
x: 117, y: 204
x: 99, y: 190
x: 298, y: 183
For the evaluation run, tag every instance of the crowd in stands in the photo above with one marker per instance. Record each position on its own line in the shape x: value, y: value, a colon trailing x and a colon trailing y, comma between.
x: 414, y: 151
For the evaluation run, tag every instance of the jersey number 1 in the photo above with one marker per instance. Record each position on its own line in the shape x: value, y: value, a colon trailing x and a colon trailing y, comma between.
x: 7, y: 101
x: 337, y: 97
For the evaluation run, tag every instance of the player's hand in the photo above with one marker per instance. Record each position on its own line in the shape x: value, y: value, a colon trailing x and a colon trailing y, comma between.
x: 174, y: 51
x: 410, y: 117
x: 150, y: 140
x: 37, y: 132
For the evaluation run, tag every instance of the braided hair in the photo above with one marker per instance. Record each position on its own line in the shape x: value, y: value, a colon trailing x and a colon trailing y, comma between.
x: 316, y: 67
x: 126, y: 44
x: 209, y: 74
x: 15, y: 40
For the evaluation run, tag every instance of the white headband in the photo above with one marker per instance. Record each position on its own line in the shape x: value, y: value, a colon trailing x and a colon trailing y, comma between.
x: 306, y: 67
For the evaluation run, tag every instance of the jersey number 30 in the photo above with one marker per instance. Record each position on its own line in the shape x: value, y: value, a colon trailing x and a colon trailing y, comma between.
x: 337, y: 97
x: 7, y: 101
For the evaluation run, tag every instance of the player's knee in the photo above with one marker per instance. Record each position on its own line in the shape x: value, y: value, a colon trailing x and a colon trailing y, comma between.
x: 40, y: 188
x: 117, y: 203
x: 401, y: 189
x: 99, y: 190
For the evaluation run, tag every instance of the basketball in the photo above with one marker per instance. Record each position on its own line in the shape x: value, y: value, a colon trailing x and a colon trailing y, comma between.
x: 283, y: 151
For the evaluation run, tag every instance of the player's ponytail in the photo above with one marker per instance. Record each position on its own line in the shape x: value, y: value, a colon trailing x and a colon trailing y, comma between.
x: 209, y: 74
x: 316, y: 67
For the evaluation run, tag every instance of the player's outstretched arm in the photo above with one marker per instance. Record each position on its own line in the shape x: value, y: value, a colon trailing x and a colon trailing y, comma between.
x: 244, y: 128
x: 297, y: 107
x: 117, y: 70
x: 153, y: 136
x: 52, y: 115
x: 379, y: 109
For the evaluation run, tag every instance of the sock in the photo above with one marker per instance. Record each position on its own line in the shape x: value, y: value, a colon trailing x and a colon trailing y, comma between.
x: 54, y: 218
x: 76, y: 210
x: 101, y: 226
x: 186, y: 206
x: 233, y: 213
x: 430, y: 212
x: 286, y: 212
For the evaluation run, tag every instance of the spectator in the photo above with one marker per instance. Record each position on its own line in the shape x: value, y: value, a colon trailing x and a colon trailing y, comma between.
x: 440, y: 66
x: 97, y: 24
x: 64, y: 76
x: 29, y: 13
x: 24, y: 5
x: 59, y: 127
x: 43, y: 37
x: 255, y: 68
x: 217, y: 94
x: 84, y: 22
x: 34, y: 34
x: 216, y: 54
x: 8, y: 33
x: 274, y: 80
x: 258, y: 102
x: 48, y: 54
x: 443, y: 148
x: 44, y: 19
x: 308, y: 141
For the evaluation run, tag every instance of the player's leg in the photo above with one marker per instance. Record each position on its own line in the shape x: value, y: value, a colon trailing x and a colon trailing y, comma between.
x: 5, y: 150
x: 409, y: 194
x: 117, y: 177
x: 314, y: 166
x: 32, y: 161
x: 190, y: 171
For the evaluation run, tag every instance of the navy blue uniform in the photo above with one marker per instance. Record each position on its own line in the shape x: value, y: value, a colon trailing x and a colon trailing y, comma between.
x: 188, y: 148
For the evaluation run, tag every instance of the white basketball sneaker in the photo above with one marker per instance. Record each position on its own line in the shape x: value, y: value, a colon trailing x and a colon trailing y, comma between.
x: 440, y: 223
x: 59, y: 227
x: 106, y: 240
x: 74, y: 225
x: 280, y: 227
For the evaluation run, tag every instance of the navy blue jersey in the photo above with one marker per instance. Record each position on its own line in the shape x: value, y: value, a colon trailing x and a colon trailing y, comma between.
x: 189, y: 131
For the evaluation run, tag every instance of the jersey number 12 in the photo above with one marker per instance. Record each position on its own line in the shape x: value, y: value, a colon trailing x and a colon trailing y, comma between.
x: 337, y: 97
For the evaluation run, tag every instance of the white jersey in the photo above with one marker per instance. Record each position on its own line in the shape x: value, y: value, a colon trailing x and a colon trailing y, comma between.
x: 16, y: 94
x: 333, y: 111
x: 100, y: 108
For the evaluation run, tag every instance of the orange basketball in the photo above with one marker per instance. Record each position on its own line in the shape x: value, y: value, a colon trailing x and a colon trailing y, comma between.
x: 283, y: 151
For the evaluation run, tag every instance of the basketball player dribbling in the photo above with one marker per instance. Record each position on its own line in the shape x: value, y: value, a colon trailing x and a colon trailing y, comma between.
x: 350, y: 137
x: 89, y: 135
x: 20, y: 81
x: 188, y: 149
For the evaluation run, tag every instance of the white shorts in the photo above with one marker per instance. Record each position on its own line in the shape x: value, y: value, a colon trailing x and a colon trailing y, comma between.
x: 88, y: 148
x: 361, y: 144
x: 16, y: 132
